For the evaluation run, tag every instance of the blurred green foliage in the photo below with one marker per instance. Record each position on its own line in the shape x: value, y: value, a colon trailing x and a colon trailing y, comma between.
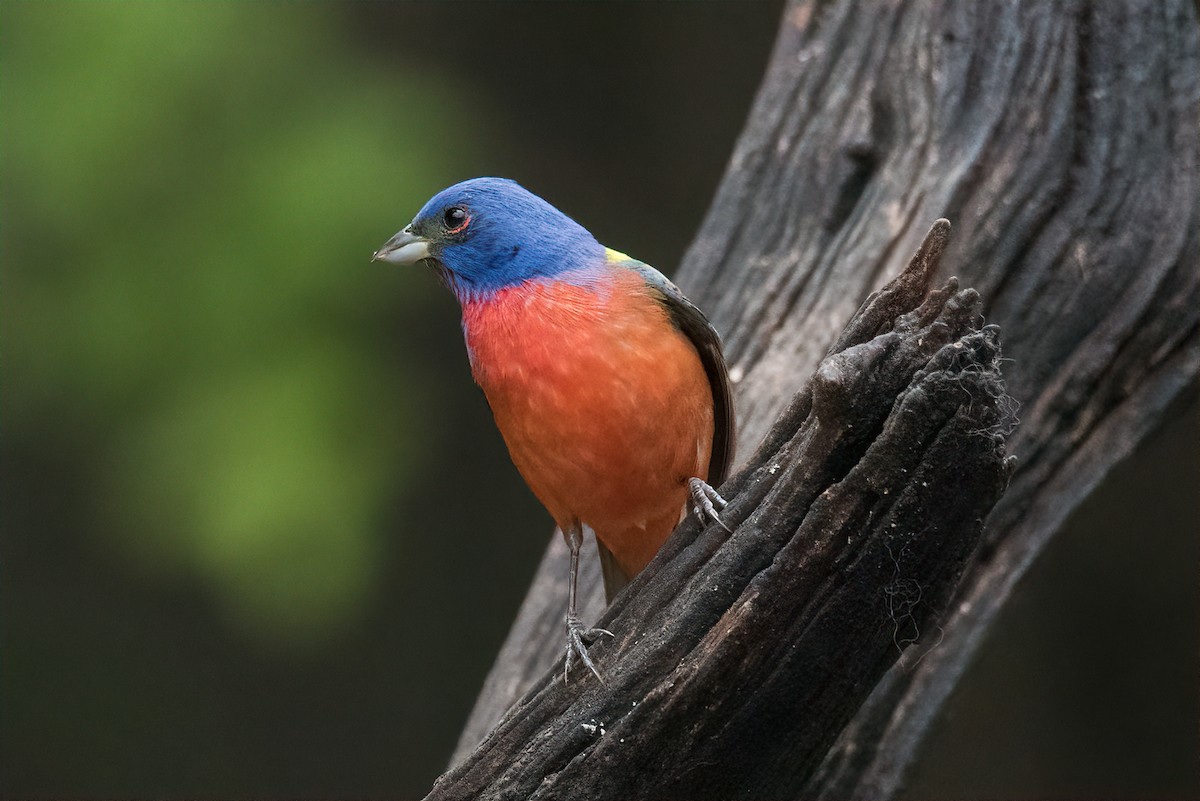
x: 184, y: 186
x: 260, y: 537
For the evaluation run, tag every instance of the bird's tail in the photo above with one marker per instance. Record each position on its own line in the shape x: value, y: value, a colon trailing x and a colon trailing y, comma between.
x: 615, y: 579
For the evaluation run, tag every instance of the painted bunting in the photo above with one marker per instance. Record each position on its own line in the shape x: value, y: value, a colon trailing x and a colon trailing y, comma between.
x: 607, y: 384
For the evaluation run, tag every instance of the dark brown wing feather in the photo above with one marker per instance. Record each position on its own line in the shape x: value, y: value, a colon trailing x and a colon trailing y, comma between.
x: 692, y: 322
x: 695, y: 326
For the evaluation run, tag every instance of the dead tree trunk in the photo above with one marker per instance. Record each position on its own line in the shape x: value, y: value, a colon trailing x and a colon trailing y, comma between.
x: 1062, y: 139
x: 738, y: 657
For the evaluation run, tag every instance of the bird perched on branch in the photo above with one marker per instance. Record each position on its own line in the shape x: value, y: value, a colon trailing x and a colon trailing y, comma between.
x: 607, y: 384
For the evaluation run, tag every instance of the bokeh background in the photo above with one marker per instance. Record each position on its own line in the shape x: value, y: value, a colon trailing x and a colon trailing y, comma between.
x: 260, y: 537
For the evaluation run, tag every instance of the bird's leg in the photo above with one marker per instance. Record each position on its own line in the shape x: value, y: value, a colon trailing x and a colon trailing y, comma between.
x: 707, y: 502
x: 579, y: 636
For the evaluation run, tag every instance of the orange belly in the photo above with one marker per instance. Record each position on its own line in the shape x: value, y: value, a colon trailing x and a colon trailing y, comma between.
x: 603, y: 403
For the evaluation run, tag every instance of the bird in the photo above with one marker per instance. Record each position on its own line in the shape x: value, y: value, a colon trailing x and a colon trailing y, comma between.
x: 609, y: 387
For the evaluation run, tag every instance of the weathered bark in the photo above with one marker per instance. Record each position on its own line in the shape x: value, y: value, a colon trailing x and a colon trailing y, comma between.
x: 753, y: 649
x: 1062, y: 139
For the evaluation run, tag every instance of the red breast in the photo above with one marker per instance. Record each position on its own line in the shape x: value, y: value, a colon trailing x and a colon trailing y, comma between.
x: 603, y: 403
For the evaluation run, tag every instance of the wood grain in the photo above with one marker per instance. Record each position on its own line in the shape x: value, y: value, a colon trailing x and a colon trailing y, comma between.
x: 1063, y: 141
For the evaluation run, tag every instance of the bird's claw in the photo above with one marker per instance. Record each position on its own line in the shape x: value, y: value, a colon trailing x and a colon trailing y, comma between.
x: 707, y: 503
x: 579, y: 639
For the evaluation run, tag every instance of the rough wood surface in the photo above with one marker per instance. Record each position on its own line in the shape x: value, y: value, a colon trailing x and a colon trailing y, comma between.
x: 1062, y: 139
x: 851, y: 525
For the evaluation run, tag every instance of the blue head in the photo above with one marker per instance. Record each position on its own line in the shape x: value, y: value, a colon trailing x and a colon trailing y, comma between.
x: 486, y: 234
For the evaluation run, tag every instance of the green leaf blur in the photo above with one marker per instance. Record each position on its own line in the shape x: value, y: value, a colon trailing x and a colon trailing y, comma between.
x: 183, y: 229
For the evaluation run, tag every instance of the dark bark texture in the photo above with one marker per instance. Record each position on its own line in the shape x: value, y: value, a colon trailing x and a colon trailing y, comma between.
x: 1063, y: 140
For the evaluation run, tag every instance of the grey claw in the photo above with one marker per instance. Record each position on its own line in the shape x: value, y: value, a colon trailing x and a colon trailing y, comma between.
x: 706, y: 502
x: 579, y: 638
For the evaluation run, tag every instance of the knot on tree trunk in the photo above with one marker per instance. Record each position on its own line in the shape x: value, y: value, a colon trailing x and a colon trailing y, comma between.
x: 738, y: 658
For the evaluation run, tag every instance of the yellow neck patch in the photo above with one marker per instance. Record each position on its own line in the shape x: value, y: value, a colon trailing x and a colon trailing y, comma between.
x: 615, y: 255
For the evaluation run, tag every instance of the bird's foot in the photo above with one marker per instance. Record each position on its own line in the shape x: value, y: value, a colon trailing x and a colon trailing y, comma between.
x: 579, y: 639
x: 707, y: 502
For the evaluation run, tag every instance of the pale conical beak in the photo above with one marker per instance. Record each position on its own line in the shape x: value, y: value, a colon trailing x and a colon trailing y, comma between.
x: 403, y: 248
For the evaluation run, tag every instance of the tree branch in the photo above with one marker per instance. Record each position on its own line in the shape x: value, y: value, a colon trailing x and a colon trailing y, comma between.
x: 738, y: 658
x: 1063, y: 139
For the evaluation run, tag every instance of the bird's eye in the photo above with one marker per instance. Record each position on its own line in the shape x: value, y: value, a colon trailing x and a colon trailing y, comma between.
x: 456, y: 219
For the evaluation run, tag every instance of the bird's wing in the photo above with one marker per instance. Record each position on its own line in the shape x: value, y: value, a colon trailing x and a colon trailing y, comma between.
x: 692, y: 322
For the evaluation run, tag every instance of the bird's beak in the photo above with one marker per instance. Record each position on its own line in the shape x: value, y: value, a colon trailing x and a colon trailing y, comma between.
x: 403, y: 248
